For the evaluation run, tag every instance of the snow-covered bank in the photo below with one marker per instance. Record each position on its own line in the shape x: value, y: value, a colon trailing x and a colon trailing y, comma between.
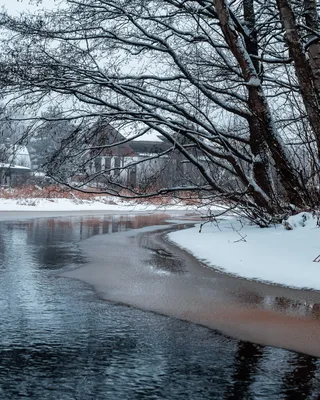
x: 274, y: 255
x: 100, y: 204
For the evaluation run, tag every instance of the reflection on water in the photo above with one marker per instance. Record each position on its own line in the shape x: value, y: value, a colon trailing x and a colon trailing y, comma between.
x: 292, y: 307
x: 247, y: 360
x: 59, y: 341
x: 298, y: 384
x: 301, y: 307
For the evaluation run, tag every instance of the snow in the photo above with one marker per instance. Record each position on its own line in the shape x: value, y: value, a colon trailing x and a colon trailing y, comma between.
x: 20, y: 157
x: 273, y: 255
x: 152, y: 136
x: 254, y: 81
x: 10, y: 166
x: 100, y: 204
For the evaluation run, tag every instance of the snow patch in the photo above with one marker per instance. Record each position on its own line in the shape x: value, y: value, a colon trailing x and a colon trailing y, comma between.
x: 273, y: 255
x: 300, y: 220
x: 76, y: 204
x: 254, y: 81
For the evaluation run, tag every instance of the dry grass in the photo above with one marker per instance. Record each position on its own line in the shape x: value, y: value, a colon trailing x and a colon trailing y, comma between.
x: 169, y: 199
x: 61, y: 192
x: 48, y: 192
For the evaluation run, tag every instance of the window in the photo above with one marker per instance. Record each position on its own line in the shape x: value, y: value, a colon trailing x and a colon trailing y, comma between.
x: 97, y: 164
x: 117, y: 162
x: 107, y: 163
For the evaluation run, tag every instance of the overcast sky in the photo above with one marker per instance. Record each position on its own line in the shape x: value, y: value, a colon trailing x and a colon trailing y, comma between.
x: 15, y: 6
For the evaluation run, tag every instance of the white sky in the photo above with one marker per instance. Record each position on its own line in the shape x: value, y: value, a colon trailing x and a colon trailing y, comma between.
x: 15, y: 6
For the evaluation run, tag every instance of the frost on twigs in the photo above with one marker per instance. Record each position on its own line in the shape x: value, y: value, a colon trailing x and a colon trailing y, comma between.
x: 238, y: 231
x: 316, y: 214
x: 213, y: 216
x: 209, y: 218
x: 27, y: 202
x: 106, y: 200
x: 76, y: 199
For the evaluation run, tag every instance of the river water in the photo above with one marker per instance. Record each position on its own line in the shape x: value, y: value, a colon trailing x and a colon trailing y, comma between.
x: 60, y: 340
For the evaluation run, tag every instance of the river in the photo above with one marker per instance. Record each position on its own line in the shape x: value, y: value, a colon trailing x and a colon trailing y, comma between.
x: 61, y: 340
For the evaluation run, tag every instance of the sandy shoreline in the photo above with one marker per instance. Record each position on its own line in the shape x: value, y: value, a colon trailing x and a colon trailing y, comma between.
x: 141, y: 269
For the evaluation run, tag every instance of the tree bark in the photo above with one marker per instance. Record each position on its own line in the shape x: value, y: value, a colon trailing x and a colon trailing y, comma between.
x: 313, y: 44
x: 261, y: 167
x: 302, y: 68
x: 251, y: 39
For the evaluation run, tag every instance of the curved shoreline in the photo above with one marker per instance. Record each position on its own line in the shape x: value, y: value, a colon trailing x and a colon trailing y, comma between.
x: 140, y: 268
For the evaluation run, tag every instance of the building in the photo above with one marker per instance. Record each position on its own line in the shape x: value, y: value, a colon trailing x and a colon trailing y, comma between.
x: 15, y: 164
x: 136, y: 163
x: 131, y: 162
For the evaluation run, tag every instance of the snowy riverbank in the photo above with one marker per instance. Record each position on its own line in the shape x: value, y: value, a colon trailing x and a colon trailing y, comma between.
x: 78, y: 205
x: 274, y: 255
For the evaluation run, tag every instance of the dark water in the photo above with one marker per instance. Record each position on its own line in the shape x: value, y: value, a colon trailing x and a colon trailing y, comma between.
x: 58, y: 340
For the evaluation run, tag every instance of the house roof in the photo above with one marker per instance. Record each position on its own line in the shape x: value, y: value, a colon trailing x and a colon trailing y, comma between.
x: 149, y: 146
x: 104, y: 134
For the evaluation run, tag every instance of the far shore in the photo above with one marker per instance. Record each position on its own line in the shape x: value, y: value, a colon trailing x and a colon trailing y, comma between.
x: 8, y: 215
x: 14, y: 215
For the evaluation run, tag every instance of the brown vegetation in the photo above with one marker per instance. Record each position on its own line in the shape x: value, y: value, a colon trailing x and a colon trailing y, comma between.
x: 48, y: 192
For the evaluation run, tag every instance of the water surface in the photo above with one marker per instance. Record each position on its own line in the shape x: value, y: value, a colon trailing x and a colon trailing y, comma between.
x: 59, y: 340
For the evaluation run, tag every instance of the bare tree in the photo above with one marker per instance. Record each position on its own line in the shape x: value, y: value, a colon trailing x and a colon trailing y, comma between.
x: 232, y: 88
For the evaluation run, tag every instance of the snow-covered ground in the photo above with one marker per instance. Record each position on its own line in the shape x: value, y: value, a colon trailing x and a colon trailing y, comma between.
x: 100, y: 204
x: 274, y: 255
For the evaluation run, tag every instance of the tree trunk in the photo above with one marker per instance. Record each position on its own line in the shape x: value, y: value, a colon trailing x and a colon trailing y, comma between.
x: 302, y: 68
x: 313, y: 44
x: 251, y: 39
x: 258, y: 147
